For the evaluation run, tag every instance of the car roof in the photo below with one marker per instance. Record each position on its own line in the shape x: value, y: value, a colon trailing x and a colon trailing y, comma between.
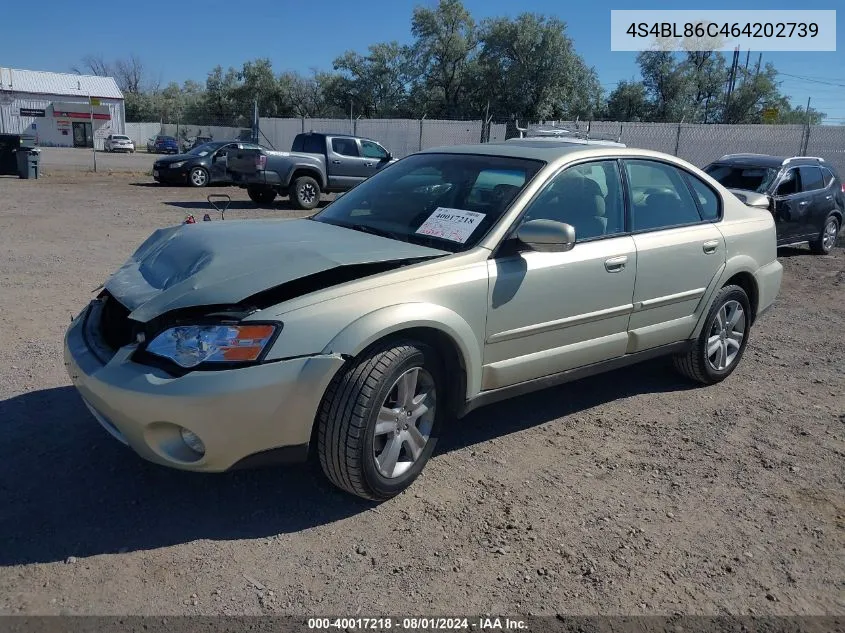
x: 548, y: 150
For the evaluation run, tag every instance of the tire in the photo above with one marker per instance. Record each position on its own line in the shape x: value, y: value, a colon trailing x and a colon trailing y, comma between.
x: 352, y: 443
x: 305, y: 193
x: 198, y: 177
x: 705, y: 368
x: 827, y: 236
x: 261, y: 195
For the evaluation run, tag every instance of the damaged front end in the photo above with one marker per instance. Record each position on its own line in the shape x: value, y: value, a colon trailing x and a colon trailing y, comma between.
x: 112, y: 326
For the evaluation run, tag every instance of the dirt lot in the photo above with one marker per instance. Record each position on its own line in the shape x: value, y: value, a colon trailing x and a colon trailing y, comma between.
x: 627, y: 493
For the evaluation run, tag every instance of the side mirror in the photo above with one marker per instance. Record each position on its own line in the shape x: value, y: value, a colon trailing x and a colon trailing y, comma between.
x: 547, y: 236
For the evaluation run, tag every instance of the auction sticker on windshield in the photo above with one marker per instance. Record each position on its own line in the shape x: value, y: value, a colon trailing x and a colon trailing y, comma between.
x: 455, y: 225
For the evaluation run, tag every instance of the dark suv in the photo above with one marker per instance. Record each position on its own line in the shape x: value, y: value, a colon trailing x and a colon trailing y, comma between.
x: 804, y: 193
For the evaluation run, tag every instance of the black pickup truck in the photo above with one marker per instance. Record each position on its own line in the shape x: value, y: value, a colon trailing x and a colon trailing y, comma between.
x: 317, y: 163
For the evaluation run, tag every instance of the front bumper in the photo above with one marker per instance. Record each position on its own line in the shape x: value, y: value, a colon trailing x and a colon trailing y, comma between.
x: 164, y: 174
x: 239, y: 414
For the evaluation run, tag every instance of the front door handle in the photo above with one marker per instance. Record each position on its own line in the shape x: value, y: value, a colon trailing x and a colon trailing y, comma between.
x: 710, y: 246
x: 368, y: 164
x: 615, y: 264
x: 803, y: 203
x: 335, y: 162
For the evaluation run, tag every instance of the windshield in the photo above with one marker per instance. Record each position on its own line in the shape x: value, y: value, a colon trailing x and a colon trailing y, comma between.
x: 747, y: 178
x: 444, y: 201
x: 205, y: 149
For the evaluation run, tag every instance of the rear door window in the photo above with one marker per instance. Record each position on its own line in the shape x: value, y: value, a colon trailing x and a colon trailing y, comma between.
x: 811, y: 178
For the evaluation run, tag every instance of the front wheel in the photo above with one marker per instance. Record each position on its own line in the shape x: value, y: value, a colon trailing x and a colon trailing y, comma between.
x: 261, y: 195
x: 305, y: 193
x: 718, y: 349
x: 198, y: 177
x: 379, y: 420
x: 827, y: 238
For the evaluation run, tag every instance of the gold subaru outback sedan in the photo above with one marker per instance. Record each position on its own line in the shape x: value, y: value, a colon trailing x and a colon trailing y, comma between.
x: 451, y: 279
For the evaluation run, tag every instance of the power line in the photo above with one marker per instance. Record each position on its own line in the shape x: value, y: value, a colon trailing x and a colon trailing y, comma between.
x: 815, y: 81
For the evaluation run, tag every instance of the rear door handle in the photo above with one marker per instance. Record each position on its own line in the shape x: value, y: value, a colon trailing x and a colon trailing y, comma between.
x: 803, y: 203
x: 368, y: 164
x: 710, y: 246
x: 615, y: 264
x: 335, y: 162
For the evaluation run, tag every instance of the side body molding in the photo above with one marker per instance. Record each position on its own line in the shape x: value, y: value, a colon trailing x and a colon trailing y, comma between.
x: 364, y: 331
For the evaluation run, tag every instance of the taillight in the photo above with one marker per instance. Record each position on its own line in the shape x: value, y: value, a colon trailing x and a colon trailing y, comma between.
x: 842, y: 186
x: 260, y: 161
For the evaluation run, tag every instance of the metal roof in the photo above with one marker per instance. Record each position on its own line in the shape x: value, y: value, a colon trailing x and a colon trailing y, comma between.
x: 64, y: 84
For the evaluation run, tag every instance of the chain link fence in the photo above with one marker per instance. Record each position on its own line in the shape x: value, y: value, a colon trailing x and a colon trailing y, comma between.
x: 696, y: 143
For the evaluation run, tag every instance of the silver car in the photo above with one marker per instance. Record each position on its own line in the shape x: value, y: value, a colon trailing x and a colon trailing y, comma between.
x: 453, y: 278
x: 119, y: 143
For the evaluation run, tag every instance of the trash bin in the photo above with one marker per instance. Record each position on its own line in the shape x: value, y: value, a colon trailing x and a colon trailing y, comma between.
x: 29, y: 160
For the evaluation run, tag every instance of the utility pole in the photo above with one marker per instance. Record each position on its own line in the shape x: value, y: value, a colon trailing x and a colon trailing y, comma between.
x: 93, y: 138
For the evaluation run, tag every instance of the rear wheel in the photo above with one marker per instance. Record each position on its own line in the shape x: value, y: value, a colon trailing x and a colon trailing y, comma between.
x: 827, y: 238
x: 261, y: 195
x: 305, y: 193
x: 719, y: 348
x: 379, y: 420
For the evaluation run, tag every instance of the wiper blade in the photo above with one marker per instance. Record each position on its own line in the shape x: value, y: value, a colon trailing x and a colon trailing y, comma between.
x: 366, y: 228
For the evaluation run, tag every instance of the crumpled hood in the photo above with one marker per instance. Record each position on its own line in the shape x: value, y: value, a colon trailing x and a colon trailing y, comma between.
x: 224, y: 262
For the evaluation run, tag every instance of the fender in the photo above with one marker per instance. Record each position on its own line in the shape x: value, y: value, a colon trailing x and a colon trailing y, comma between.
x: 736, y: 264
x: 315, y: 169
x: 364, y: 331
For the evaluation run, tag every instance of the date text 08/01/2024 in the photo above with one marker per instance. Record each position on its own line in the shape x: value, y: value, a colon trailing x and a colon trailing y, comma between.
x: 417, y: 623
x: 713, y: 30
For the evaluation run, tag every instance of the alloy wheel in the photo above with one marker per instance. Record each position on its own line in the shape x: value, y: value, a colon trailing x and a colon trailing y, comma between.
x: 726, y: 334
x: 307, y: 194
x: 198, y: 178
x: 829, y: 234
x: 404, y: 422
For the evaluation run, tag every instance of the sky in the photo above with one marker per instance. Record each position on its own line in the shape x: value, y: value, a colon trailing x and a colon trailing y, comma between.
x: 184, y: 40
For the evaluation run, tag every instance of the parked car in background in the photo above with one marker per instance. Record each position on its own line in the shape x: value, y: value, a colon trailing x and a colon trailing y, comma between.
x: 195, y: 141
x: 804, y: 194
x: 163, y: 144
x: 119, y: 143
x: 448, y: 280
x: 316, y: 163
x: 199, y: 167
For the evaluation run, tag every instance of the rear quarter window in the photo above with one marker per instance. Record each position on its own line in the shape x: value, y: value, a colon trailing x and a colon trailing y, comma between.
x: 709, y: 203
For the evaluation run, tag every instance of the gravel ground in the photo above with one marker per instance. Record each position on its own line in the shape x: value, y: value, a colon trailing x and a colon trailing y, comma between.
x: 627, y: 493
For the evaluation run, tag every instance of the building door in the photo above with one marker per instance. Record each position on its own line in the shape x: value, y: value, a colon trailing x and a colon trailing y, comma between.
x: 82, y: 136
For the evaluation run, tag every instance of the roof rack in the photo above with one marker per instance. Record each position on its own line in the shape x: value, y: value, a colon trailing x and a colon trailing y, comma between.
x: 568, y: 140
x: 554, y: 132
x: 743, y: 155
x: 797, y: 158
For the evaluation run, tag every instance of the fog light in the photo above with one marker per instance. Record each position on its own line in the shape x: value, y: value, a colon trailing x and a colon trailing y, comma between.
x: 193, y: 441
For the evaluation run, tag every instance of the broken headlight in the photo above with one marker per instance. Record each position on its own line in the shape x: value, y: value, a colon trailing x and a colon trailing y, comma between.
x: 191, y: 345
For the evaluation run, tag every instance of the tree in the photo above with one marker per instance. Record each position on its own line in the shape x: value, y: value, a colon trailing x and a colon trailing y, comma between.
x: 530, y: 69
x: 628, y: 102
x: 130, y: 75
x: 377, y: 83
x: 93, y: 65
x: 667, y: 83
x: 444, y: 57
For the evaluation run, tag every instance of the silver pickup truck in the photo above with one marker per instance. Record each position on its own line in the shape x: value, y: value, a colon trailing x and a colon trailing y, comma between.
x: 317, y: 163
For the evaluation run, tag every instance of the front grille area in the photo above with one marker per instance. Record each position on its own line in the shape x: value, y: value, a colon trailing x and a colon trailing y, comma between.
x: 115, y: 326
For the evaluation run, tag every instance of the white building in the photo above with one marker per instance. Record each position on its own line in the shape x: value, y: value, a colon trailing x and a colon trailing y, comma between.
x: 60, y: 109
